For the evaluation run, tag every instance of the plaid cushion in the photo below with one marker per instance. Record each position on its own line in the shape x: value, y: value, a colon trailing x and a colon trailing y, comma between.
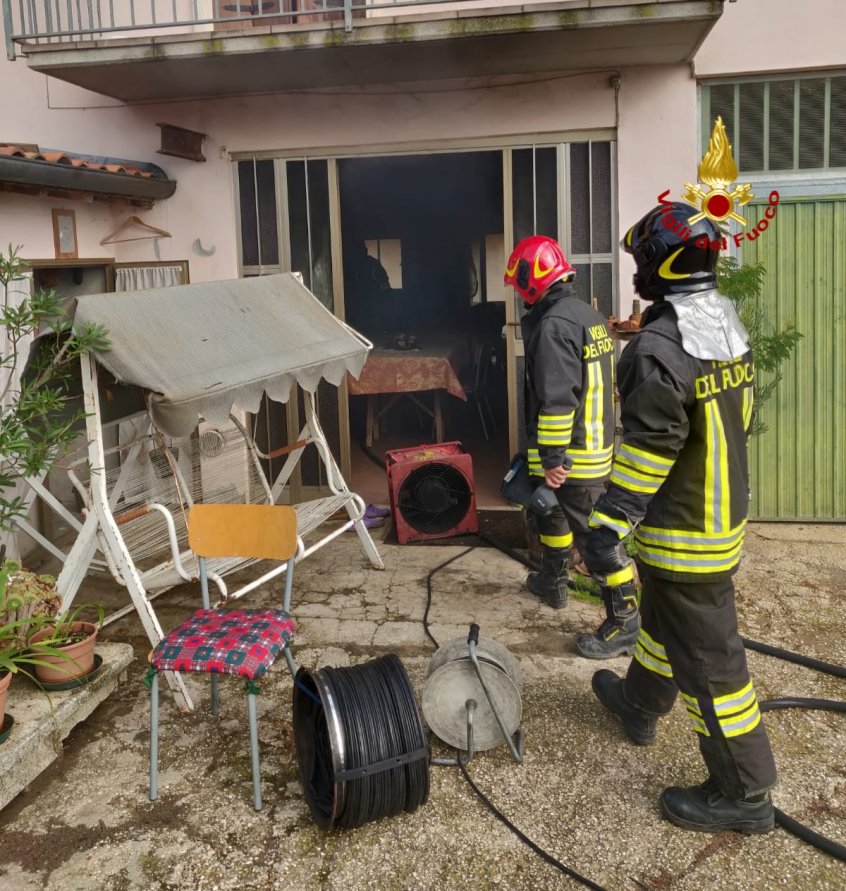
x: 239, y: 641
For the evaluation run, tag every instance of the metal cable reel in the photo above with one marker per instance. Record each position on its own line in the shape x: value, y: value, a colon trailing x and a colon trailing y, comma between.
x: 471, y: 699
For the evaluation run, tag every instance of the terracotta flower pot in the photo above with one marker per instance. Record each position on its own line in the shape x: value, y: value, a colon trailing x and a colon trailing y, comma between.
x: 5, y: 680
x: 81, y: 655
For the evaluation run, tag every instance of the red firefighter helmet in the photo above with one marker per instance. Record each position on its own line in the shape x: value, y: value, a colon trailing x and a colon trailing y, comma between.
x: 536, y: 263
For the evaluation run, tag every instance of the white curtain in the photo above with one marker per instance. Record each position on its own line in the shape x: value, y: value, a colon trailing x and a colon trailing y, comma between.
x: 141, y: 278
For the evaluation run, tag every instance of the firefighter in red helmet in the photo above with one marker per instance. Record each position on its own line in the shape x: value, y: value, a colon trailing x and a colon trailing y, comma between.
x: 680, y: 482
x: 569, y: 407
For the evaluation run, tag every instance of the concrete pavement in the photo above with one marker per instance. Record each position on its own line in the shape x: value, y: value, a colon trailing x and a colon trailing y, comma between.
x: 583, y: 793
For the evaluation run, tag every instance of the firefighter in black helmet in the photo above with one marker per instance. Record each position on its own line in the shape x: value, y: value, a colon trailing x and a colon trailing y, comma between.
x: 680, y: 481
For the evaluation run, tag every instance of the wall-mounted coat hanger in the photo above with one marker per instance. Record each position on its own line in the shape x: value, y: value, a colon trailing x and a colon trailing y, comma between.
x: 134, y: 221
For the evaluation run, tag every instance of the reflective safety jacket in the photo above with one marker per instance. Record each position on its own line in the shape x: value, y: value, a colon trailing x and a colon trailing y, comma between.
x: 681, y: 472
x: 569, y: 387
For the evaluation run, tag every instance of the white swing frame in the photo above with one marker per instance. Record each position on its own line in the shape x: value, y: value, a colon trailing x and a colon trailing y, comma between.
x: 101, y: 528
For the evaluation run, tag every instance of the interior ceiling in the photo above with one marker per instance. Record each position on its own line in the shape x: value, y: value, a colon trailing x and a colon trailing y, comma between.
x: 457, y: 191
x: 188, y: 69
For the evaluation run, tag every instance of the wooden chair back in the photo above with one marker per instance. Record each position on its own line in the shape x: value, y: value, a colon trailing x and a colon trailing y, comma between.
x: 261, y: 531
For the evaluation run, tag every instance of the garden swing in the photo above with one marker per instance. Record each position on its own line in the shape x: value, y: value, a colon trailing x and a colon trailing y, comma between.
x: 202, y: 356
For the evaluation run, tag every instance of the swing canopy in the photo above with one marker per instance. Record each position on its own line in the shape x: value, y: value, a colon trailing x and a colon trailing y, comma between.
x: 201, y: 349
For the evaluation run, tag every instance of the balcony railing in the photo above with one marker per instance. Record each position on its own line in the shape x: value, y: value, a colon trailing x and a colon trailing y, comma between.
x: 75, y: 21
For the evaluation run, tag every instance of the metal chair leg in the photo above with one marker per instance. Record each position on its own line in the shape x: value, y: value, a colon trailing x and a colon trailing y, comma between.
x: 482, y: 418
x: 292, y: 665
x: 254, y: 751
x: 215, y: 701
x: 490, y: 411
x: 154, y: 737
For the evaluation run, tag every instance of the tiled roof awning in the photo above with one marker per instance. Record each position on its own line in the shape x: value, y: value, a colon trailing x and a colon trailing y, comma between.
x: 28, y: 169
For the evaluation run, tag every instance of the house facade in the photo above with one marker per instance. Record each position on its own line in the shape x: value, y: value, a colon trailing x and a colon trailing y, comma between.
x: 438, y: 134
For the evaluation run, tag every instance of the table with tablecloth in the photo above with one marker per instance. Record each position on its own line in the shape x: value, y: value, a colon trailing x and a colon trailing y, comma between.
x: 432, y: 365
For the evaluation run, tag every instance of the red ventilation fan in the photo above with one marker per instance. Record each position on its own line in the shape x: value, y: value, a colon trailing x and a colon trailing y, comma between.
x: 432, y: 491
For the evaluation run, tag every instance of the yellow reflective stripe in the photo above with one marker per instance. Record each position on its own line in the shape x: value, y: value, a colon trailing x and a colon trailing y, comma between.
x: 555, y: 430
x: 652, y: 645
x: 647, y: 476
x: 717, y: 500
x: 724, y: 516
x: 699, y: 562
x: 698, y: 724
x: 590, y: 472
x: 740, y: 724
x: 748, y: 405
x: 557, y: 420
x: 620, y: 577
x: 688, y: 540
x: 557, y: 541
x: 662, y: 668
x: 710, y: 449
x: 624, y: 481
x: 691, y: 703
x: 592, y: 454
x: 594, y: 407
x: 647, y: 459
x: 694, y: 712
x: 597, y: 519
x: 732, y: 702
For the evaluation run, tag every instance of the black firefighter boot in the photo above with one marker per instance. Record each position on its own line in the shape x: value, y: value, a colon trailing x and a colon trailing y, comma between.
x: 706, y: 809
x: 640, y: 726
x: 551, y: 583
x: 617, y: 635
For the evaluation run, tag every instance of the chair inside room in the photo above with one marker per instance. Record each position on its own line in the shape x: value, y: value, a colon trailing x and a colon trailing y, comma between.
x: 230, y: 641
x: 474, y: 380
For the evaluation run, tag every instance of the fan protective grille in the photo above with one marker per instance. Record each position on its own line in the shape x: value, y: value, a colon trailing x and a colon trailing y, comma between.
x: 434, y: 498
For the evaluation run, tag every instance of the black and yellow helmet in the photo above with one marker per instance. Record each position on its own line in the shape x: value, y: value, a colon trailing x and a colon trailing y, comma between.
x: 673, y: 255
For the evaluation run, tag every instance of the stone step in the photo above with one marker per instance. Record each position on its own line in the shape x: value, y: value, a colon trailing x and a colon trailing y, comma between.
x: 36, y: 738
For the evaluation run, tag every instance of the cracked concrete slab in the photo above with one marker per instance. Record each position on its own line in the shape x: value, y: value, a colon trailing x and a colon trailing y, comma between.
x: 583, y: 792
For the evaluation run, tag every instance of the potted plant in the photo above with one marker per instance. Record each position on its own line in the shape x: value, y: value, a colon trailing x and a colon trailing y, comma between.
x: 63, y: 648
x: 28, y: 604
x: 38, y: 421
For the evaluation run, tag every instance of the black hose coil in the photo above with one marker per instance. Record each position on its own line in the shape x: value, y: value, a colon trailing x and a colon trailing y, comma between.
x: 793, y: 826
x: 360, y: 743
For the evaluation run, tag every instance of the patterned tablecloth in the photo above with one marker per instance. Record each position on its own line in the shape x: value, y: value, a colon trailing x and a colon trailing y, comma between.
x: 432, y: 366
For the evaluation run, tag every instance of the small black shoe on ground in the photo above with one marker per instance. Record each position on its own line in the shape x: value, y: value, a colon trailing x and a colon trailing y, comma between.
x: 640, y: 727
x: 705, y: 809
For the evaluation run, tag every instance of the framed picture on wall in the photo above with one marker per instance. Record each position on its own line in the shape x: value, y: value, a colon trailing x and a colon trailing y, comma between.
x: 64, y: 234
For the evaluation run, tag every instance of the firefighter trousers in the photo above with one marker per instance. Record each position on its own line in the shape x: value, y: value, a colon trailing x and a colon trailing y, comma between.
x: 568, y: 523
x: 689, y: 644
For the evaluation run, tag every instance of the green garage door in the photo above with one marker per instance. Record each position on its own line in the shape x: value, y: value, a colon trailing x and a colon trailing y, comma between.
x: 798, y: 466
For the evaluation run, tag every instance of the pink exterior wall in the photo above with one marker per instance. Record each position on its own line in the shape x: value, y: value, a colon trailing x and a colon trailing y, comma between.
x: 756, y: 36
x: 657, y: 133
x: 656, y: 149
x: 203, y: 205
